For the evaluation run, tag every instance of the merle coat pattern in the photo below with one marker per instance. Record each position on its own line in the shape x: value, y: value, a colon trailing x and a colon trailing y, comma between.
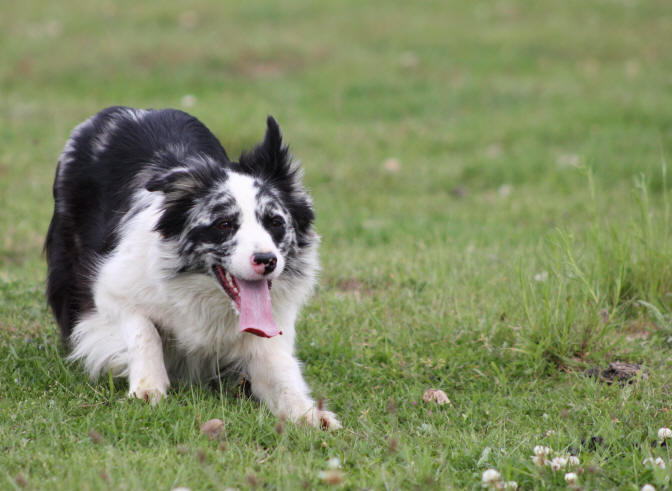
x: 156, y: 238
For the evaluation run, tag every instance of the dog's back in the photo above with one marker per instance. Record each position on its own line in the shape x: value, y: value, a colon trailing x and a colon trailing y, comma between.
x: 93, y: 191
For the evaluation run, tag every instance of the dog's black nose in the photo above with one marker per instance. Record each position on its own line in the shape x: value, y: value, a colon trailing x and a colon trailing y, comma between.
x: 268, y: 259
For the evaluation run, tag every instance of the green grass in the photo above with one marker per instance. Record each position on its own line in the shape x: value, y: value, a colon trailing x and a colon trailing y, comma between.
x: 532, y: 141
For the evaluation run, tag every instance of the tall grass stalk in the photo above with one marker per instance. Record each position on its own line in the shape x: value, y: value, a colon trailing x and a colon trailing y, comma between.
x: 597, y: 283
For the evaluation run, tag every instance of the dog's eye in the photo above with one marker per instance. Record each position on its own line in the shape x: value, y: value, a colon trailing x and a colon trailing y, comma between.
x: 277, y: 221
x: 224, y: 224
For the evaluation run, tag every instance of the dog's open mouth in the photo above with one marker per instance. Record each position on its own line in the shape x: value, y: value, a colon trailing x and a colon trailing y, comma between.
x: 253, y: 302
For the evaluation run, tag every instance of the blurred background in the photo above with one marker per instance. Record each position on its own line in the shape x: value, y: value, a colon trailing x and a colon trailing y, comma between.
x: 395, y: 108
x: 437, y: 126
x: 442, y: 127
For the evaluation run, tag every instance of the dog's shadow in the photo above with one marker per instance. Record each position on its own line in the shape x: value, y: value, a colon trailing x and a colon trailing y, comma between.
x: 230, y: 384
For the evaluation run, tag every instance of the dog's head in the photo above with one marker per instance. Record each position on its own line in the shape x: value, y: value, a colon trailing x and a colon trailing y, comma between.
x: 243, y: 223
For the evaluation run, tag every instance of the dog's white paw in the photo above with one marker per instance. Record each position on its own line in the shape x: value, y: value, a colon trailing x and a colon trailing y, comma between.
x: 329, y: 421
x: 319, y: 418
x: 152, y: 393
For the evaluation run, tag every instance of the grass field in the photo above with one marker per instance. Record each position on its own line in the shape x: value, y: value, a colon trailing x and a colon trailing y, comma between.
x: 491, y: 189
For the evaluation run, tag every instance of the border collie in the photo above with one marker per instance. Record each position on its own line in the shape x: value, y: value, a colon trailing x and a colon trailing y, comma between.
x: 168, y: 261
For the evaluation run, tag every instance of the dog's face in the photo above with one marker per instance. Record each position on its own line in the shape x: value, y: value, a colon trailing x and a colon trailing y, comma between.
x: 240, y: 226
x: 241, y: 223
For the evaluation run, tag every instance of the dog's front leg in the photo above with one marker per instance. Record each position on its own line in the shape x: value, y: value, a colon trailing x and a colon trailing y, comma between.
x: 147, y: 376
x: 277, y: 381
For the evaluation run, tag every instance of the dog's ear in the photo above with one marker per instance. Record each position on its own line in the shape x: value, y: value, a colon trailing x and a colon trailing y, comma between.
x: 182, y: 181
x: 179, y: 186
x: 174, y: 181
x: 273, y: 139
x: 271, y: 162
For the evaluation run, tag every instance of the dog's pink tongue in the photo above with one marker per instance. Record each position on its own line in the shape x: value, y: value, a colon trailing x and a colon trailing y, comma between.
x: 256, y: 315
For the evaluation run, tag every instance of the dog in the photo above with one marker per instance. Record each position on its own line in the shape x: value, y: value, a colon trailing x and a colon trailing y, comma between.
x: 168, y: 261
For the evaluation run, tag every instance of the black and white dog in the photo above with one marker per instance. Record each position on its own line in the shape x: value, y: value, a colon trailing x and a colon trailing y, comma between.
x: 169, y: 261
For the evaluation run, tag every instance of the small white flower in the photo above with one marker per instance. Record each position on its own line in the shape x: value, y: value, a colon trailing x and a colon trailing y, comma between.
x: 539, y: 460
x: 333, y: 463
x: 568, y: 160
x: 648, y: 487
x: 331, y: 476
x: 573, y: 460
x: 558, y: 463
x: 504, y: 190
x: 391, y: 165
x: 541, y: 450
x: 658, y: 462
x: 189, y: 100
x: 490, y: 477
x: 571, y: 478
x: 435, y: 395
x: 664, y: 433
x: 510, y: 485
x: 541, y: 277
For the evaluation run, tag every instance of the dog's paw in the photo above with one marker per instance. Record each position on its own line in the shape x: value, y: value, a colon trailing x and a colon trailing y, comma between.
x: 329, y: 421
x: 325, y: 420
x: 150, y: 393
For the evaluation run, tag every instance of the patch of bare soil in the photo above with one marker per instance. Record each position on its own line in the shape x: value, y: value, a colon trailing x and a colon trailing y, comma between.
x: 617, y: 371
